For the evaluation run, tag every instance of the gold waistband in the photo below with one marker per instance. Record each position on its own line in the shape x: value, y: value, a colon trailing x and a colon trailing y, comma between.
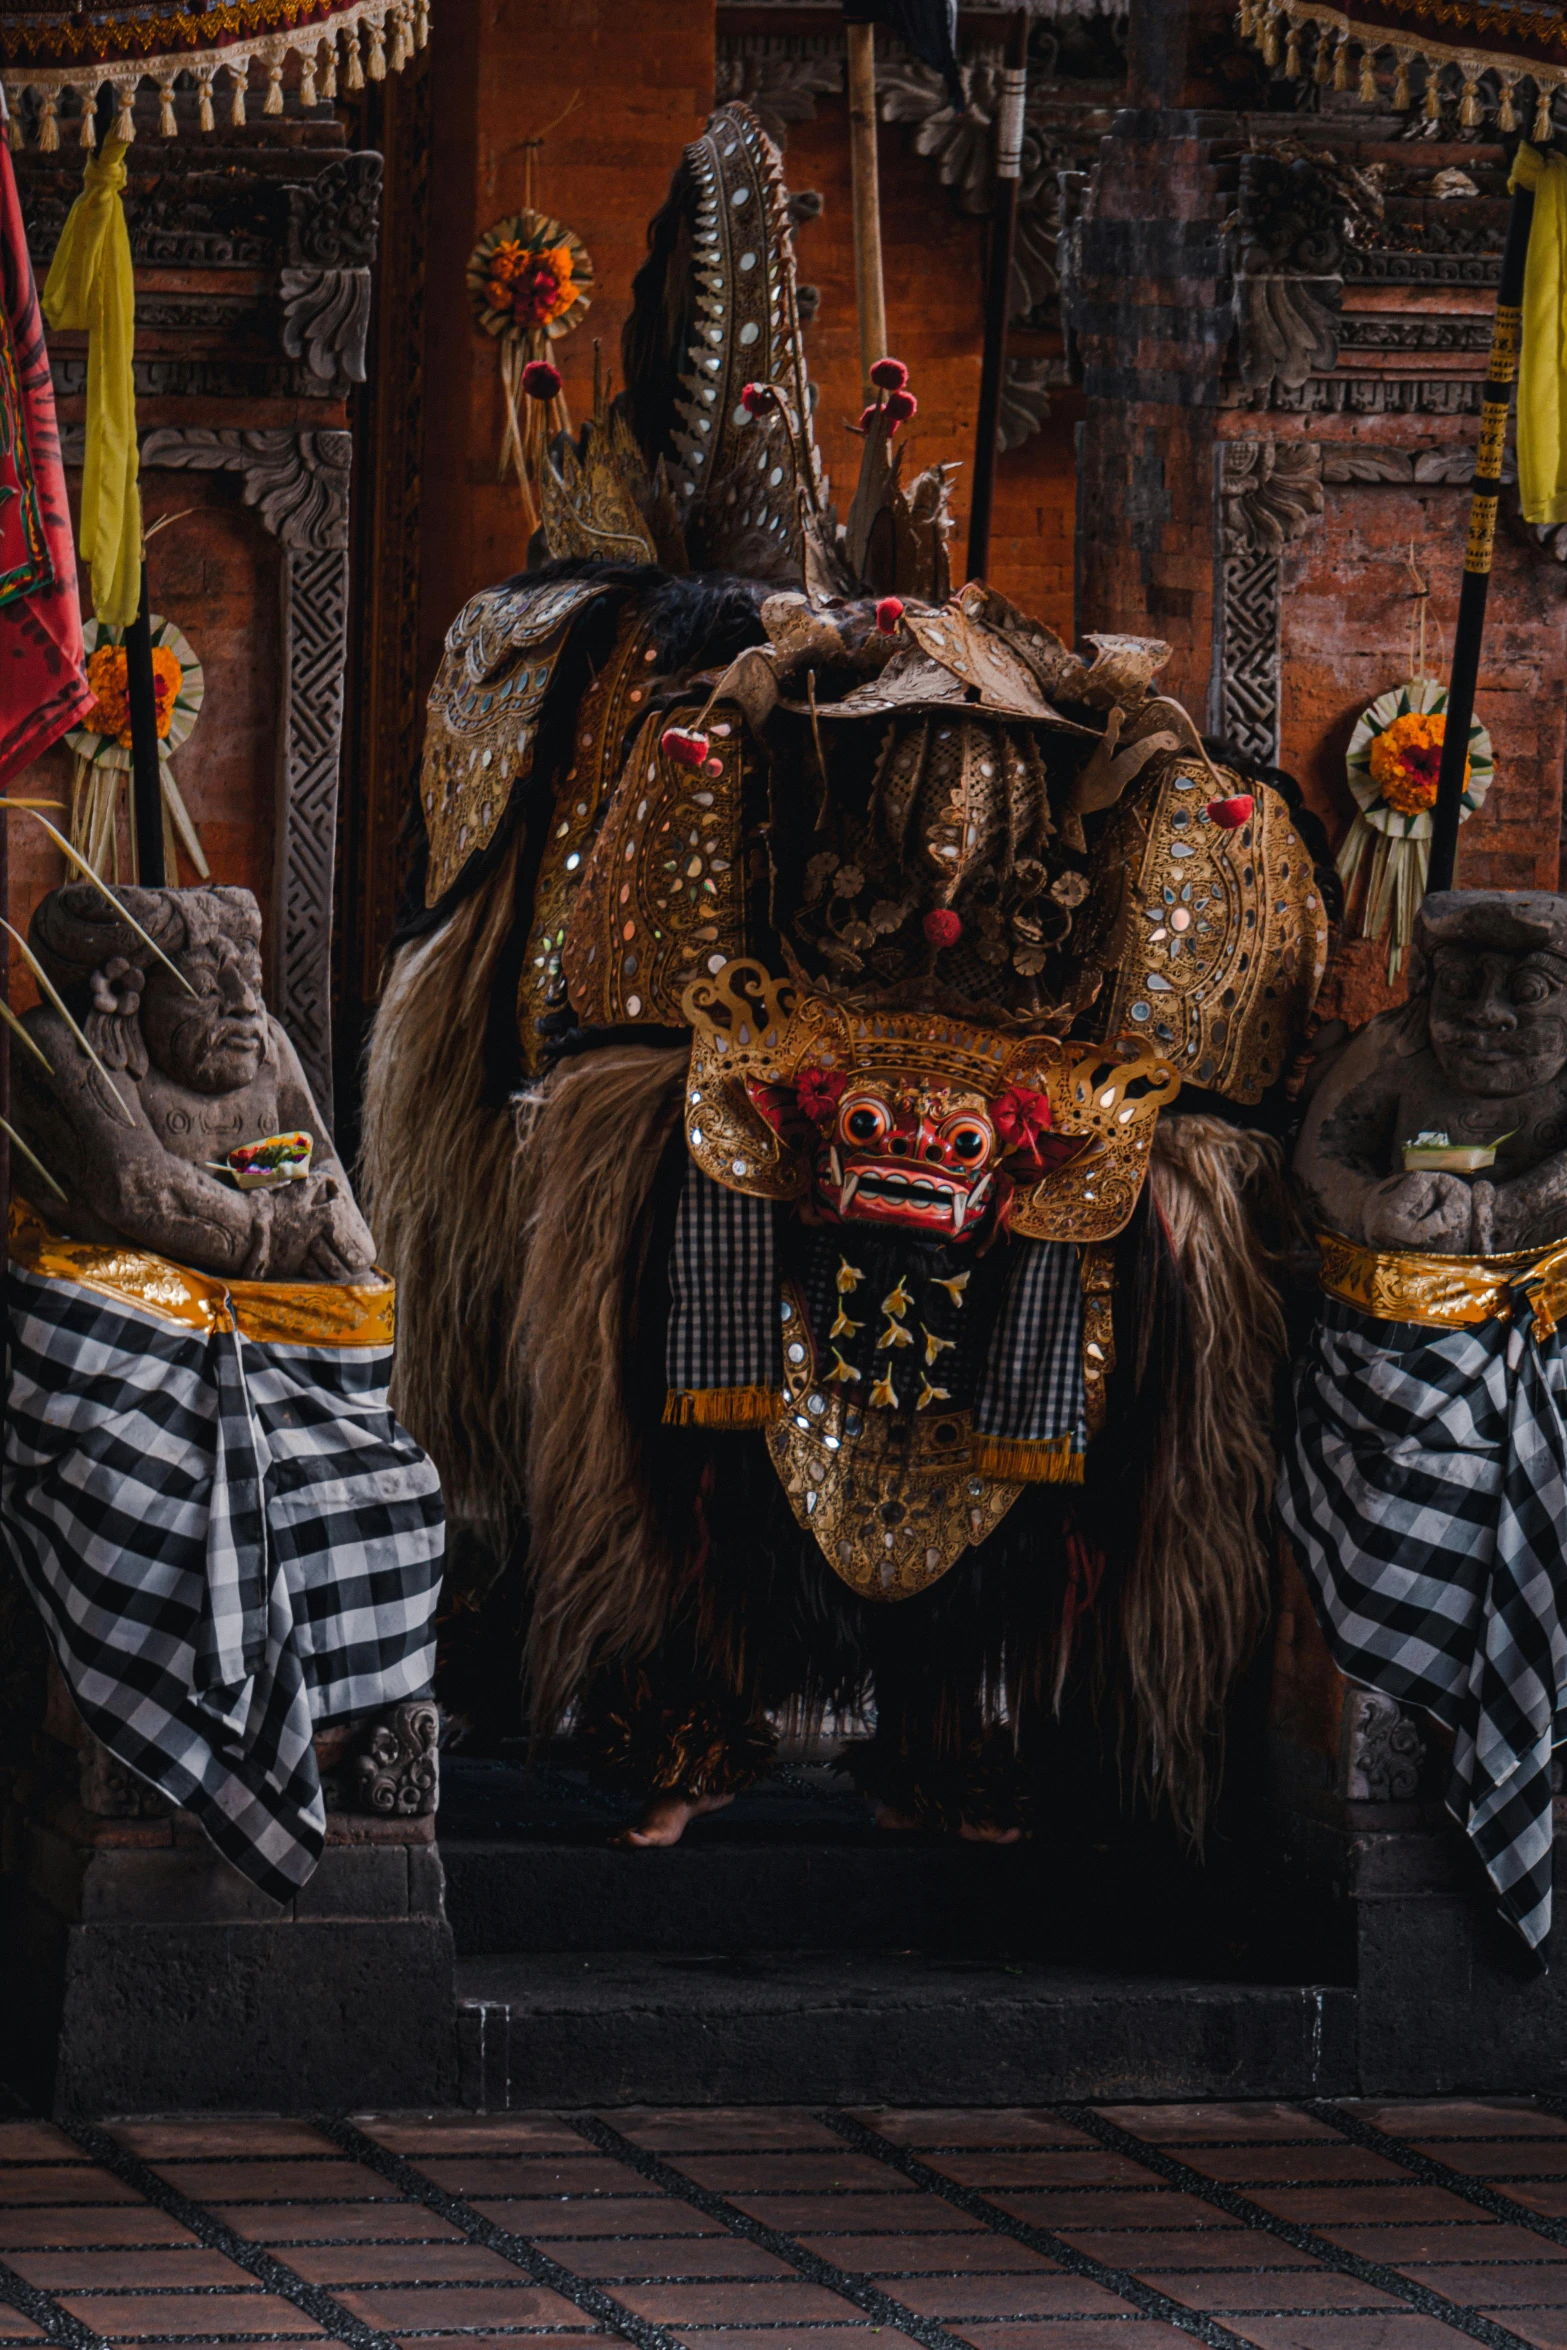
x: 1446, y: 1293
x: 276, y: 1313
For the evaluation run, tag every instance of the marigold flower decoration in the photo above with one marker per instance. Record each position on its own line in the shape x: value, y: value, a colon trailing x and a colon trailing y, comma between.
x: 1406, y: 759
x: 1393, y: 766
x: 533, y: 288
x: 107, y: 675
x: 101, y: 830
x: 530, y: 280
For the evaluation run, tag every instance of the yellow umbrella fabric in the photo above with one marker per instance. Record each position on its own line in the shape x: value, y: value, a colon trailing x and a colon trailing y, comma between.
x: 91, y: 287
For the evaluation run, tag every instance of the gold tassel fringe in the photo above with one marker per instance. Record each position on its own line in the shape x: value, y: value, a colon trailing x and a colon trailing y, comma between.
x: 1027, y: 1460
x: 722, y: 1407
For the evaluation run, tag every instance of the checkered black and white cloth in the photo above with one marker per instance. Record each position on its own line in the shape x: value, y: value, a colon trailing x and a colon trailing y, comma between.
x: 231, y: 1545
x: 723, y: 1290
x: 1021, y: 1331
x: 1033, y: 1390
x: 1426, y: 1491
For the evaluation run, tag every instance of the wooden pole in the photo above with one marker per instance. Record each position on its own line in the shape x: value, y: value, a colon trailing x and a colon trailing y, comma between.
x: 1470, y: 628
x: 1003, y: 237
x: 146, y: 780
x: 5, y: 1140
x: 869, y: 293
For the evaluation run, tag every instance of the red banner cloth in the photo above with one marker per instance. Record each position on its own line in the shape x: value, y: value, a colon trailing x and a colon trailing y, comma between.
x: 43, y: 671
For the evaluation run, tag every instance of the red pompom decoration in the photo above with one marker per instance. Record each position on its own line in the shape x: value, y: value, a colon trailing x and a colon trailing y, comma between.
x: 818, y: 1092
x: 868, y: 417
x: 888, y: 613
x: 942, y: 927
x: 1021, y: 1117
x: 889, y: 375
x: 757, y: 399
x: 685, y: 748
x: 1229, y: 815
x: 540, y: 380
x: 899, y: 407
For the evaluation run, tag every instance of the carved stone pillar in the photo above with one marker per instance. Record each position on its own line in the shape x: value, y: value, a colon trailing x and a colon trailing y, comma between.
x: 298, y: 484
x: 1268, y: 493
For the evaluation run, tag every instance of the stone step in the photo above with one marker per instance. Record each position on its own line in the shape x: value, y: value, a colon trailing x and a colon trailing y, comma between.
x: 796, y: 1865
x: 849, y: 2027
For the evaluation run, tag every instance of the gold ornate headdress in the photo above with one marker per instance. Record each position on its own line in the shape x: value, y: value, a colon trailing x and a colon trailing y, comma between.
x: 737, y: 489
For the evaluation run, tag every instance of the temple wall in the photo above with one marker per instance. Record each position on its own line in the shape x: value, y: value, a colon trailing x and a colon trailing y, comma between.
x: 1282, y: 397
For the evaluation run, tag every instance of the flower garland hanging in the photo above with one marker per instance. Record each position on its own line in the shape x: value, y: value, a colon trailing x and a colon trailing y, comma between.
x: 530, y: 280
x: 1394, y: 757
x: 102, y: 744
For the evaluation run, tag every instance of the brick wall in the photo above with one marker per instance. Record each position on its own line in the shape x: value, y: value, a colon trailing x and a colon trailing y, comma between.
x: 642, y: 77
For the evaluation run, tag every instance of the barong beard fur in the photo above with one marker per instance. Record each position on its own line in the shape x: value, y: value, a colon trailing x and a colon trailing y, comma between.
x: 1195, y: 1593
x: 446, y: 1191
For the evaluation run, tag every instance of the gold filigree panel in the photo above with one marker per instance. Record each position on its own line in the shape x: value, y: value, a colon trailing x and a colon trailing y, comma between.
x: 483, y: 725
x: 1218, y: 939
x: 611, y: 704
x: 892, y: 1499
x: 663, y: 891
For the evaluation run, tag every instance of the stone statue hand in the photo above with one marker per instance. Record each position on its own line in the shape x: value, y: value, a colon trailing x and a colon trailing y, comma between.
x: 318, y: 1231
x: 1427, y: 1211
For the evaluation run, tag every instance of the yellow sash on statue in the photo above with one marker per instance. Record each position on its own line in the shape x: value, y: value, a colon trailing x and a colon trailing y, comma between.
x: 1446, y: 1293
x: 275, y: 1313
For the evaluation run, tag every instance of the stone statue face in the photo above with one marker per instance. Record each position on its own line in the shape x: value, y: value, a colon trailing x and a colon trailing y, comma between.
x: 1498, y: 1019
x: 215, y: 1040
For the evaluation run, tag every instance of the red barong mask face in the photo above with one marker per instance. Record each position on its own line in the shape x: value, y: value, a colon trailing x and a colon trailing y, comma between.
x: 928, y: 1158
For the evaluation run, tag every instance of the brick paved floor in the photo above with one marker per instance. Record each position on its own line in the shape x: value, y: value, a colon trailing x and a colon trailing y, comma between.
x: 1321, y: 2227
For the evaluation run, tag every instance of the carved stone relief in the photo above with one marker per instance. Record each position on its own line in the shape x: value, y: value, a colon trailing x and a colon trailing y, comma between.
x: 1269, y: 492
x: 1025, y: 398
x: 1288, y: 251
x: 779, y: 80
x: 1382, y: 1751
x: 318, y: 232
x: 329, y: 248
x: 298, y: 484
x: 392, y: 1766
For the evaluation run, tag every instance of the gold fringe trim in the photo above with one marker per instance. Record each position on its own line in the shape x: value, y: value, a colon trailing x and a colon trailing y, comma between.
x: 722, y: 1407
x: 1029, y: 1460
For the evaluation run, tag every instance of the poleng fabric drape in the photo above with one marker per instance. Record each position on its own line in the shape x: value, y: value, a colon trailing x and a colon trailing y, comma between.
x: 1425, y: 1489
x: 231, y: 1540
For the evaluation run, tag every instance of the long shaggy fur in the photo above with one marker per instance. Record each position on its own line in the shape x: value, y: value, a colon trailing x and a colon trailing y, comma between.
x: 446, y: 1191
x: 604, y: 1559
x: 1194, y: 1596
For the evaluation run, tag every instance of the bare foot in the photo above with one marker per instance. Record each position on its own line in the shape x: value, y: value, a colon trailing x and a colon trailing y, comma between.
x: 666, y: 1819
x: 898, y: 1823
x: 903, y: 1823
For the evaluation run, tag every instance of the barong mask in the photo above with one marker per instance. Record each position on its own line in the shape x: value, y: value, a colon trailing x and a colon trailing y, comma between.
x: 911, y: 1119
x: 931, y: 1158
